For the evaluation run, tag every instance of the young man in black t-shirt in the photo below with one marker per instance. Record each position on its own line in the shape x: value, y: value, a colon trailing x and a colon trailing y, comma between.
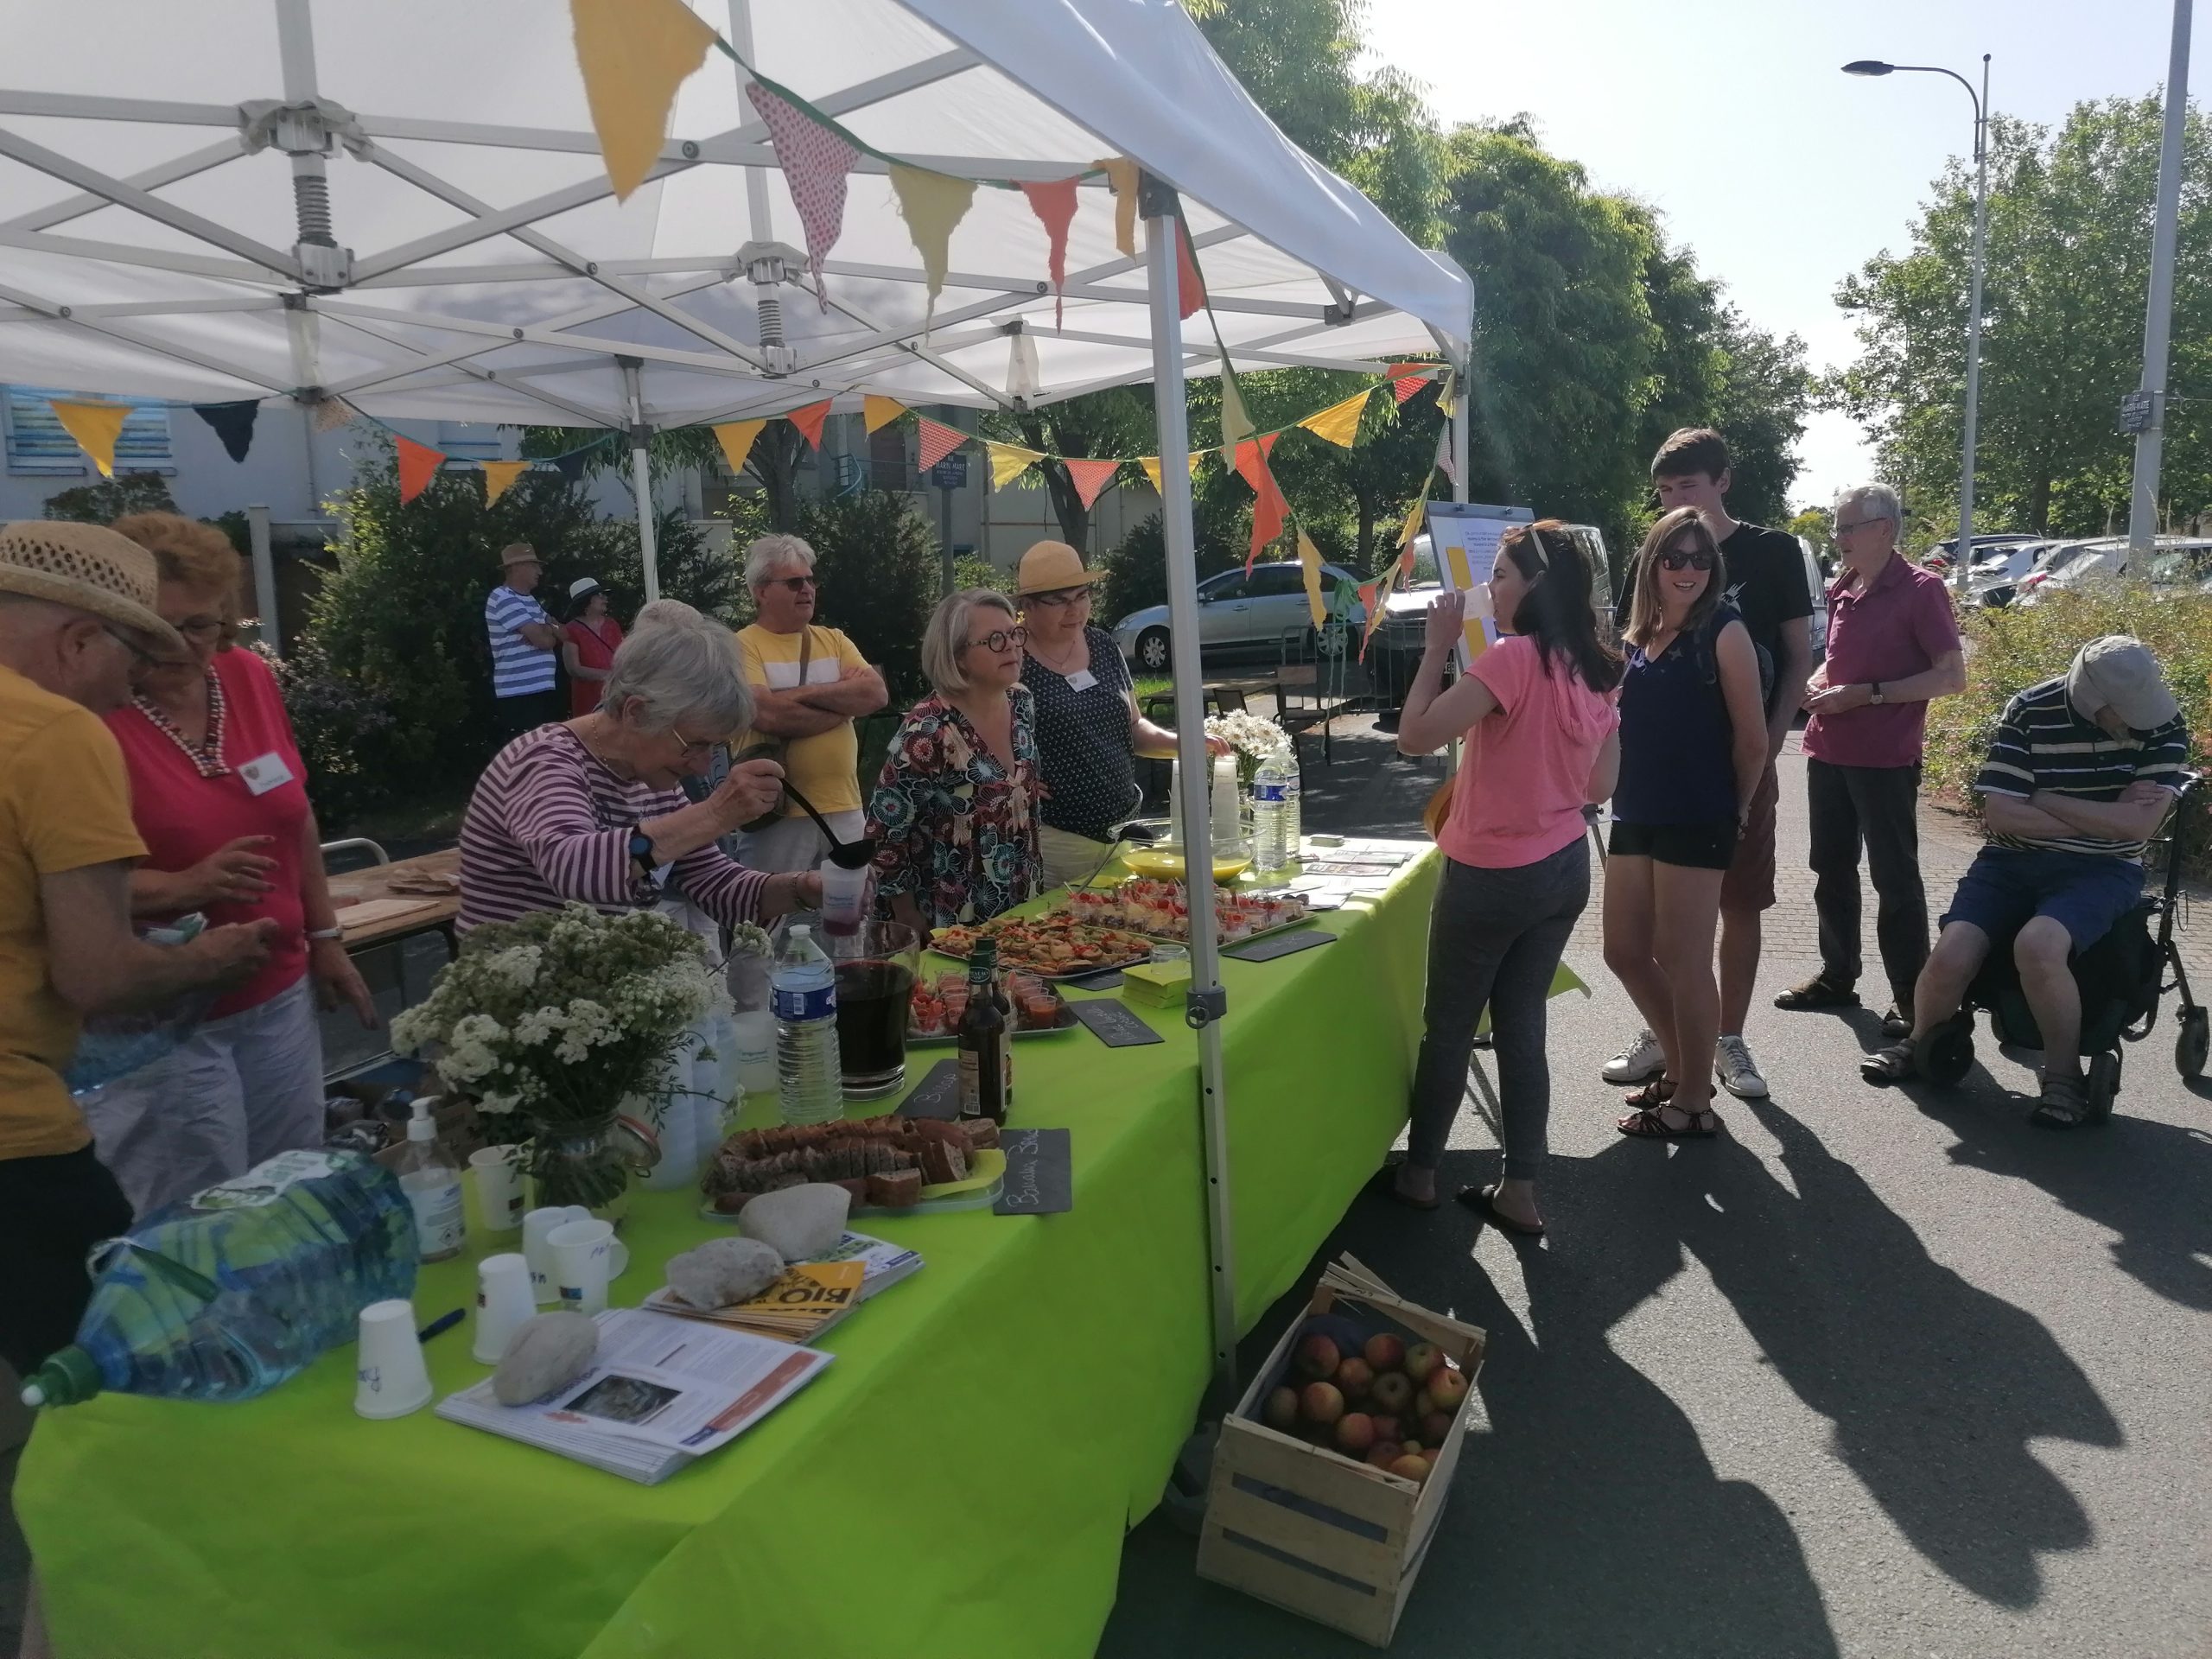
x: 1766, y: 583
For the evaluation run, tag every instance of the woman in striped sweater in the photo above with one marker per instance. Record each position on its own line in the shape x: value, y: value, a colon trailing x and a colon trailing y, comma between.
x: 592, y: 809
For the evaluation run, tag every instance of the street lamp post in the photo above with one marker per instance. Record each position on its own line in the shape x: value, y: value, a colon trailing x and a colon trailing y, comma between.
x: 1963, y: 561
x: 2158, y: 311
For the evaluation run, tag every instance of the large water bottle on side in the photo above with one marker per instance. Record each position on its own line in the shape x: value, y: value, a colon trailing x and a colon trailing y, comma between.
x: 810, y: 1082
x: 227, y: 1293
x: 1294, y: 816
x: 1270, y: 804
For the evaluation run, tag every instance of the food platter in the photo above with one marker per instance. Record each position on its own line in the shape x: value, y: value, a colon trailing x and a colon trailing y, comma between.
x: 1044, y: 1014
x: 1158, y: 909
x: 1054, y: 946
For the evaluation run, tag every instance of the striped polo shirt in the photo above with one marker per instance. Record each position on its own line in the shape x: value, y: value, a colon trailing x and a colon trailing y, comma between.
x: 548, y: 824
x: 518, y: 668
x: 2042, y: 743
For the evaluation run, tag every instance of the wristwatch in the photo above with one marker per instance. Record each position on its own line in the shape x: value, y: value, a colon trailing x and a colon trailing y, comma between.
x: 1877, y: 698
x: 641, y: 849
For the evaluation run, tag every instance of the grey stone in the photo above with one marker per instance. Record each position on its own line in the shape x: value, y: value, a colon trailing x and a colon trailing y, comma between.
x: 546, y: 1352
x: 803, y: 1223
x: 724, y: 1270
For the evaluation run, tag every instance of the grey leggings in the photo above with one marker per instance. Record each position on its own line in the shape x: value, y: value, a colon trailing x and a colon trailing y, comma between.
x: 1495, y: 938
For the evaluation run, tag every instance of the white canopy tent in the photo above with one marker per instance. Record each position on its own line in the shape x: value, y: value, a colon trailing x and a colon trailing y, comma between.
x: 402, y: 203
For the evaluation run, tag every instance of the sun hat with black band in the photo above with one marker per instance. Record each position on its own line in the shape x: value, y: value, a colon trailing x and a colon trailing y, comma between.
x: 2119, y: 673
x: 583, y: 589
x: 1049, y: 567
x: 91, y: 568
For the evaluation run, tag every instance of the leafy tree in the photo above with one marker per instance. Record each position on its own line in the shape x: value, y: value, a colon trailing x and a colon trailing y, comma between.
x: 878, y: 560
x: 1116, y: 421
x: 106, y: 499
x: 1817, y: 525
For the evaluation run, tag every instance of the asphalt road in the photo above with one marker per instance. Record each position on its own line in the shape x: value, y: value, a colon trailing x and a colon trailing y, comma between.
x: 1877, y: 1373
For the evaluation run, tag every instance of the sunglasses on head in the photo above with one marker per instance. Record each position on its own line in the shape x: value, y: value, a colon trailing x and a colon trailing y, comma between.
x: 1686, y: 558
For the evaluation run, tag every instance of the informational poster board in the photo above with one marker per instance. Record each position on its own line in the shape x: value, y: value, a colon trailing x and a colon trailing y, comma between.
x: 1466, y: 536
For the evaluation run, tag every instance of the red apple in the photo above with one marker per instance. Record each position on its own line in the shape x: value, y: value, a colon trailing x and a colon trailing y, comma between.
x: 1436, y: 1427
x: 1384, y: 1352
x: 1280, y: 1410
x: 1355, y: 1432
x: 1383, y: 1453
x: 1386, y: 1427
x: 1322, y: 1402
x: 1353, y: 1377
x: 1422, y: 1358
x: 1392, y: 1392
x: 1317, y: 1357
x: 1411, y: 1467
x: 1448, y: 1388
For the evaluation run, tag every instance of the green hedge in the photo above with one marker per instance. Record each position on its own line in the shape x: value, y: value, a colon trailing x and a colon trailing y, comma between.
x: 2010, y: 649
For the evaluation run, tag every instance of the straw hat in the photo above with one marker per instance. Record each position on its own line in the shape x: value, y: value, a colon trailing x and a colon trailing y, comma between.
x: 516, y: 553
x: 87, y: 568
x: 1050, y: 566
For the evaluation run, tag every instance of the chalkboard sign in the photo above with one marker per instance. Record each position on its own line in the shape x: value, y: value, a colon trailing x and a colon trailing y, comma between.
x: 937, y: 1094
x: 1040, y: 1172
x: 1279, y: 945
x: 1105, y: 979
x: 1114, y: 1024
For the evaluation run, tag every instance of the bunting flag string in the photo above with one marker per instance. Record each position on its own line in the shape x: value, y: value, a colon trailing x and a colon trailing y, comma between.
x: 1054, y: 204
x: 879, y: 411
x: 1009, y: 462
x: 932, y: 203
x: 1122, y: 176
x: 500, y: 477
x: 331, y: 413
x: 935, y: 440
x: 418, y: 465
x: 815, y: 160
x: 1309, y: 559
x: 1190, y: 285
x: 1406, y: 378
x: 96, y: 426
x: 232, y: 424
x: 1339, y: 422
x: 808, y: 421
x: 633, y: 58
x: 1089, y: 477
x: 1150, y: 464
x: 736, y: 439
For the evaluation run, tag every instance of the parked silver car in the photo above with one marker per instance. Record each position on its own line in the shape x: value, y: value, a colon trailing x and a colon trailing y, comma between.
x: 1239, y: 613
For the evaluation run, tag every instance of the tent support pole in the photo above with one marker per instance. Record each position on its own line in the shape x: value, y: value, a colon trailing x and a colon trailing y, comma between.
x: 1463, y: 402
x: 264, y: 578
x: 641, y: 472
x: 1207, y: 1001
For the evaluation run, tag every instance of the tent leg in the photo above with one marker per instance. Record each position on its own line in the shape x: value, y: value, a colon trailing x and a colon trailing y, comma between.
x: 1463, y: 404
x: 264, y: 579
x: 1207, y: 1001
x: 641, y: 473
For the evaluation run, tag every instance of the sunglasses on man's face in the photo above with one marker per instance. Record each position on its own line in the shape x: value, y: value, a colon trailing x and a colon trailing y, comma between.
x: 796, y: 584
x: 1686, y: 558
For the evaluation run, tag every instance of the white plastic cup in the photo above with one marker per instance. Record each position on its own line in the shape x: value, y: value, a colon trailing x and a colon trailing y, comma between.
x: 495, y: 1178
x: 536, y: 1226
x: 390, y: 1379
x: 844, y: 897
x: 582, y: 1262
x: 504, y: 1300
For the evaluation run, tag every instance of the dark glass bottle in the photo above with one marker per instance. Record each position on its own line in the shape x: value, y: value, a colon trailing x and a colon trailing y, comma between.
x: 986, y: 1051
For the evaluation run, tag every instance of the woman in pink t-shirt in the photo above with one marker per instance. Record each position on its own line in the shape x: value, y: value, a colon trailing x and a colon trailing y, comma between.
x: 1542, y: 740
x: 219, y: 794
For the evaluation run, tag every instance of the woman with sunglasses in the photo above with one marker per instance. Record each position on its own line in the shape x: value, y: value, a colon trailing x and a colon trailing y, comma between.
x: 219, y: 794
x: 588, y: 641
x: 1693, y: 751
x: 592, y: 811
x: 1088, y: 730
x: 954, y: 813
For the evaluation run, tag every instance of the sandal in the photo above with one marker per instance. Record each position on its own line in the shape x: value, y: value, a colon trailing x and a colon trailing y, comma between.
x: 1657, y: 1092
x: 1818, y: 992
x: 1482, y: 1201
x: 1893, y: 1064
x: 1897, y: 1024
x: 1383, y: 1183
x: 1650, y: 1124
x: 2064, y: 1104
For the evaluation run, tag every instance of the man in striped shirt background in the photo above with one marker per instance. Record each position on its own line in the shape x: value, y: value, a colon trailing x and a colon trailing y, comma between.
x: 2083, y: 767
x: 523, y: 646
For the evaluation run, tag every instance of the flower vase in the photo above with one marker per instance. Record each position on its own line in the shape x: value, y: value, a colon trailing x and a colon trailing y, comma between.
x: 593, y: 1165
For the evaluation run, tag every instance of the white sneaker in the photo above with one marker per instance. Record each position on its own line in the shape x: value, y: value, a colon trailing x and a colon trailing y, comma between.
x: 1640, y: 1059
x: 1738, y: 1073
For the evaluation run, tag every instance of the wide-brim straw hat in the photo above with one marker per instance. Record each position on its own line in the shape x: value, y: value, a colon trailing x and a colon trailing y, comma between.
x: 516, y: 553
x: 1050, y: 566
x: 91, y: 568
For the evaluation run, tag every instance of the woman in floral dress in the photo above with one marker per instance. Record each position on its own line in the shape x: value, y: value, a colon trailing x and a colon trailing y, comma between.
x: 955, y: 812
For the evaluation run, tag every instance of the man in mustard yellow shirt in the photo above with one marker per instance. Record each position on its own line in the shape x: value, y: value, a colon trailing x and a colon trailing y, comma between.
x: 77, y: 617
x: 808, y: 685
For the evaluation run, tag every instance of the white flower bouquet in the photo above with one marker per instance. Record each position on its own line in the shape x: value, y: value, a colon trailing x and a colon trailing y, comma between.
x: 1253, y: 738
x: 550, y: 1021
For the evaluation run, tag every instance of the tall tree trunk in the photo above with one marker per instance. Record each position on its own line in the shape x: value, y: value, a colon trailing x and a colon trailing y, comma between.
x: 774, y: 461
x: 1067, y: 506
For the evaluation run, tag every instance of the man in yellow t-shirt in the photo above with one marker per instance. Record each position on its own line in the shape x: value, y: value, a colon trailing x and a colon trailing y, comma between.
x: 77, y: 615
x: 812, y: 714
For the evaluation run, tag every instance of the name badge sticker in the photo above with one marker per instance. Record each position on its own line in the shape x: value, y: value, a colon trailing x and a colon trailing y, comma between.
x: 1082, y: 680
x: 264, y: 772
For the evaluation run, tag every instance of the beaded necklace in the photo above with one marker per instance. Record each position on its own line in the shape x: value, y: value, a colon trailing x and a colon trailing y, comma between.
x: 206, y: 757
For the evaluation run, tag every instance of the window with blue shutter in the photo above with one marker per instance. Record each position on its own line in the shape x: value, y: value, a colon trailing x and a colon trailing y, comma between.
x: 470, y: 440
x: 39, y: 446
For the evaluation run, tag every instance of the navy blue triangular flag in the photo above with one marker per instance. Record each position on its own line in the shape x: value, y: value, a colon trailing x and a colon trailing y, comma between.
x: 572, y: 466
x: 234, y: 424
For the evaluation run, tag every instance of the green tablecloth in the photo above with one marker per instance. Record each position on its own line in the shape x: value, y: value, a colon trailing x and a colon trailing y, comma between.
x: 957, y: 1483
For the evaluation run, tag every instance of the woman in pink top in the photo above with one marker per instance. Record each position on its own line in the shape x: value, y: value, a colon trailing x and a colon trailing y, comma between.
x: 1542, y: 740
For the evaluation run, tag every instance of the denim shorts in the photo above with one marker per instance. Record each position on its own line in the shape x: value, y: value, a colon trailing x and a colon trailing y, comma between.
x: 2085, y: 894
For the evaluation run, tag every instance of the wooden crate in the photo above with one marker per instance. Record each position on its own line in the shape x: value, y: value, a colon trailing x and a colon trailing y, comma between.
x: 1338, y: 1541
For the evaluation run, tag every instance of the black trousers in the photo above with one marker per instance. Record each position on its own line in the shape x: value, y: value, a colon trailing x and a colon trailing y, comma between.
x: 512, y: 716
x: 53, y: 1210
x: 1877, y: 807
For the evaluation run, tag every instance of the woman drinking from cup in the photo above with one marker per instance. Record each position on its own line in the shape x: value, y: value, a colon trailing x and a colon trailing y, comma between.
x: 954, y: 814
x: 1537, y: 710
x: 1692, y: 750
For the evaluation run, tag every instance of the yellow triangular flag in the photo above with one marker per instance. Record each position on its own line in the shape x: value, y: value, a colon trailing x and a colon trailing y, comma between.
x: 634, y: 53
x: 931, y: 204
x: 500, y: 477
x: 1310, y: 557
x: 1150, y: 464
x: 736, y: 439
x: 1413, y: 528
x: 1339, y: 422
x: 879, y: 411
x: 1235, y: 424
x: 95, y: 426
x: 1122, y: 174
x: 1009, y: 462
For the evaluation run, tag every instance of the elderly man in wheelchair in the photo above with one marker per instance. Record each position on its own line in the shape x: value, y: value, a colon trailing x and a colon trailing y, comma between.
x: 2083, y: 767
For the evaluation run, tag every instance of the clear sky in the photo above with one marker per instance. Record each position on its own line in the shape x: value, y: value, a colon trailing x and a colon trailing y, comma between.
x: 1730, y: 117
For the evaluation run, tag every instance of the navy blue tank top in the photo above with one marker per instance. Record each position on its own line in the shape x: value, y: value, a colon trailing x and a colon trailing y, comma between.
x: 1677, y: 760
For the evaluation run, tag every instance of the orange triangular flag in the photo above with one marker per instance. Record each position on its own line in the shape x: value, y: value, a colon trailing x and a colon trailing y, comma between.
x: 1406, y: 378
x: 1376, y: 595
x: 1339, y: 422
x: 1053, y: 203
x: 1270, y: 509
x: 879, y: 411
x: 1190, y: 287
x: 736, y: 439
x: 809, y: 421
x: 1252, y: 459
x: 634, y: 56
x: 500, y: 477
x: 95, y: 426
x: 936, y: 441
x: 418, y: 465
x: 1122, y: 174
x: 1089, y: 477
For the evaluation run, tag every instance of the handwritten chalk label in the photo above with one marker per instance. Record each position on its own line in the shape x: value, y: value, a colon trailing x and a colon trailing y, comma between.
x: 1281, y: 944
x: 1040, y: 1172
x: 937, y: 1094
x: 1115, y: 1025
x: 1105, y: 979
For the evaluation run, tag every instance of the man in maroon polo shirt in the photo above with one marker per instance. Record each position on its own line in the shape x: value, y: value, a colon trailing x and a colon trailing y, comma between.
x: 1893, y: 645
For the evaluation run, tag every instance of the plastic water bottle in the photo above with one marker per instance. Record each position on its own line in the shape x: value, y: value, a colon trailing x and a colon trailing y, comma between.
x: 1293, y: 822
x: 226, y: 1294
x: 809, y: 1080
x: 1270, y: 804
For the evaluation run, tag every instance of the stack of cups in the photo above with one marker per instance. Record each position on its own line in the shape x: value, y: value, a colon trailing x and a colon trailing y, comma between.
x: 583, y: 1260
x: 389, y: 1376
x: 495, y: 1192
x: 537, y: 1246
x: 504, y: 1301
